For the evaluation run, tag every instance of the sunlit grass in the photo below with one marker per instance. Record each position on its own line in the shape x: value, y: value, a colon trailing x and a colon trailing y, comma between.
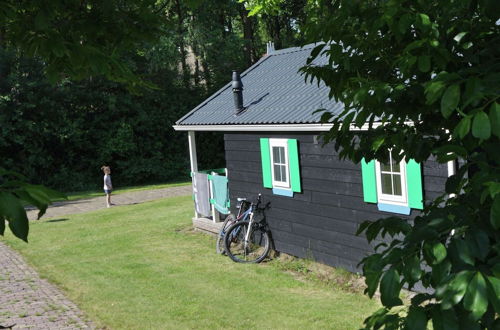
x: 141, y: 267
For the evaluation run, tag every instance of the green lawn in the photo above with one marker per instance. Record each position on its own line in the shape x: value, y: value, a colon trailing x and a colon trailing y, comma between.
x: 98, y: 193
x: 140, y: 266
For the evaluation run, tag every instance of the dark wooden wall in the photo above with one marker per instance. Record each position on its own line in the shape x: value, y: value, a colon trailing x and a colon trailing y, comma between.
x: 319, y: 223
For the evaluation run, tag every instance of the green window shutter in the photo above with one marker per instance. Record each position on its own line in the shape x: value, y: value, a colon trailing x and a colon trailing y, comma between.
x: 265, y: 156
x: 293, y: 165
x: 369, y: 181
x: 414, y: 184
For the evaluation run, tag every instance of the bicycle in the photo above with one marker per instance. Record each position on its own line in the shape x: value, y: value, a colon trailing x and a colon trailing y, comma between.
x: 248, y: 240
x: 243, y: 207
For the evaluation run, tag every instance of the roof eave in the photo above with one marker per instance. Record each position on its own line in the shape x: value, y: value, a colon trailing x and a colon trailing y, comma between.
x: 272, y: 128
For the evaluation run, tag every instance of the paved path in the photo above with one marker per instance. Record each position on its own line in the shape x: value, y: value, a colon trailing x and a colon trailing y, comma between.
x: 97, y: 203
x: 28, y: 301
x: 31, y: 302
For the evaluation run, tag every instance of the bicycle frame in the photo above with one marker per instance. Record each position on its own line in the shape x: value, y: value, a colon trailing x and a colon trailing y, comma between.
x: 247, y: 235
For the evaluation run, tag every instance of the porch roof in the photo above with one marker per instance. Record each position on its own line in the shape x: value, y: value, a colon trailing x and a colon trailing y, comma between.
x: 274, y: 93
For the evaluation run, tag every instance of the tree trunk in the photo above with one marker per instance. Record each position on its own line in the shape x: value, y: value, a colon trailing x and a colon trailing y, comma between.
x: 274, y: 28
x: 206, y: 72
x: 181, y: 44
x: 248, y: 35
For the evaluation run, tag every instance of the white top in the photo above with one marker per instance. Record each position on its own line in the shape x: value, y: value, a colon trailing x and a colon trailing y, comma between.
x: 107, y: 182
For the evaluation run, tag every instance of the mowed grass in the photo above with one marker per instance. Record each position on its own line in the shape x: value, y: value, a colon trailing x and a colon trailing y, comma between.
x: 142, y: 267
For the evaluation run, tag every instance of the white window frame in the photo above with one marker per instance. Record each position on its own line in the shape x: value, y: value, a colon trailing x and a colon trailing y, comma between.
x: 280, y: 143
x: 392, y: 199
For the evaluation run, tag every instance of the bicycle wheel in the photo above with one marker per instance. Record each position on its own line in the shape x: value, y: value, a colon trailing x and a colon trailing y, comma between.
x: 219, y: 245
x: 252, y: 251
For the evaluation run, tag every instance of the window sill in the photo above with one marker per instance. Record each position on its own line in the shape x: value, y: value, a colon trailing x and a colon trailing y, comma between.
x: 394, y: 208
x: 282, y: 192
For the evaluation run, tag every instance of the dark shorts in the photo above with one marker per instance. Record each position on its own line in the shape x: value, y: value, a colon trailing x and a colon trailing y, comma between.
x: 107, y: 192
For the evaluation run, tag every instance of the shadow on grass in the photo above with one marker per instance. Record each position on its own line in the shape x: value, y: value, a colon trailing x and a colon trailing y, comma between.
x: 57, y: 220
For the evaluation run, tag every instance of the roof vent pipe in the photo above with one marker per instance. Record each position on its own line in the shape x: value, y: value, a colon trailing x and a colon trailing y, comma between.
x: 238, y: 92
x: 270, y: 48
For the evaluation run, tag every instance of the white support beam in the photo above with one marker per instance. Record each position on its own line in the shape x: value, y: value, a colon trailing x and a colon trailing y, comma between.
x: 192, y: 151
x: 193, y: 159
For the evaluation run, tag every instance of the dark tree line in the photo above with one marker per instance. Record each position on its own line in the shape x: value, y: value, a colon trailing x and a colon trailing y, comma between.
x: 60, y: 134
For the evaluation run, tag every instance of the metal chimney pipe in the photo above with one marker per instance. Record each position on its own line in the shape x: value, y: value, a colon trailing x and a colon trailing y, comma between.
x: 238, y: 92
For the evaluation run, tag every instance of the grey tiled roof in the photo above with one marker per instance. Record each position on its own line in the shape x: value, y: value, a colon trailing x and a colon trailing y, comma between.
x: 274, y: 92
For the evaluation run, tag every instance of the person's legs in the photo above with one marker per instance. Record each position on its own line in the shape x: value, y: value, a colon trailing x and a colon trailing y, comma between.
x: 108, y: 199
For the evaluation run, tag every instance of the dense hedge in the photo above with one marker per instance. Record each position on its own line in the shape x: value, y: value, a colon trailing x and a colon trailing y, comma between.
x: 60, y: 135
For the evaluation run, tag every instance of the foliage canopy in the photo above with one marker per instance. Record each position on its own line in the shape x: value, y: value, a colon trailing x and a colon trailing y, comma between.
x: 429, y: 71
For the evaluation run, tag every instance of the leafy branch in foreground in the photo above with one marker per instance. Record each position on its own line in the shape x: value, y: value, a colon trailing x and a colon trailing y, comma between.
x: 15, y: 193
x: 429, y: 72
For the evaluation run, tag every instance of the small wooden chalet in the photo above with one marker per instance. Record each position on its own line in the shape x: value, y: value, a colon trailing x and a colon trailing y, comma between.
x: 271, y: 147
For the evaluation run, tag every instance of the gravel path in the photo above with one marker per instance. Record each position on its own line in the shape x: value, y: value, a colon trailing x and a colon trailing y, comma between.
x: 28, y: 301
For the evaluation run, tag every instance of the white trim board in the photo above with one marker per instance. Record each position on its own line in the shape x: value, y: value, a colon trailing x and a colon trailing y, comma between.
x: 271, y: 128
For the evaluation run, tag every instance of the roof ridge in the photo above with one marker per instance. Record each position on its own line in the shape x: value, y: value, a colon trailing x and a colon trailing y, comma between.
x: 295, y: 49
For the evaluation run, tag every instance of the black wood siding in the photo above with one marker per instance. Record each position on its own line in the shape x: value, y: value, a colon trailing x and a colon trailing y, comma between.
x: 319, y: 223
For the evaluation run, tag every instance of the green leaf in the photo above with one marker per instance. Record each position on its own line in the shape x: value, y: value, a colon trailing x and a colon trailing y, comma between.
x: 475, y: 299
x: 12, y: 210
x: 416, y: 319
x: 424, y: 21
x: 435, y: 252
x: 413, y: 267
x: 495, y: 213
x: 496, y: 270
x: 450, y: 100
x: 472, y: 91
x: 361, y: 117
x: 404, y: 23
x: 455, y: 290
x: 459, y: 250
x: 433, y: 91
x: 481, y: 127
x: 434, y: 43
x: 372, y: 269
x: 439, y: 252
x: 362, y: 227
x: 453, y: 183
x: 390, y: 288
x: 494, y: 292
x: 424, y: 63
x: 379, y: 141
x: 459, y: 36
x: 451, y: 148
x: 479, y: 243
x: 495, y: 119
x: 493, y: 188
x: 463, y: 127
x: 443, y: 319
x: 26, y: 197
x: 41, y: 20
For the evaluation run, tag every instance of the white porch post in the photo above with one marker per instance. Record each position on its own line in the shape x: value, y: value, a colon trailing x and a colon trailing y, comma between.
x: 193, y: 159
